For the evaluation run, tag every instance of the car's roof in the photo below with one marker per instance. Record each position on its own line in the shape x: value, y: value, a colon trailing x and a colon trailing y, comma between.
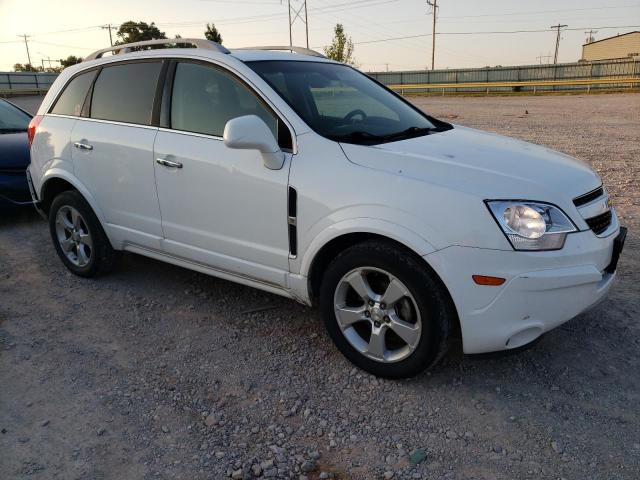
x: 247, y: 55
x: 204, y: 49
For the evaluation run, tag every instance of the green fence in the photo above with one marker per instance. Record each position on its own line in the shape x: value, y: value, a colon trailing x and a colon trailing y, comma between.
x: 624, y: 68
x: 25, y: 82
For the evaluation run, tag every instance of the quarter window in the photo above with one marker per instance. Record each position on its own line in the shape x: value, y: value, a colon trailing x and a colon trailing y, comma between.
x: 71, y: 100
x: 125, y: 92
x: 204, y: 99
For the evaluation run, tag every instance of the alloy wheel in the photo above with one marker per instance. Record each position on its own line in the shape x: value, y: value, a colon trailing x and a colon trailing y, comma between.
x: 73, y: 236
x: 377, y: 314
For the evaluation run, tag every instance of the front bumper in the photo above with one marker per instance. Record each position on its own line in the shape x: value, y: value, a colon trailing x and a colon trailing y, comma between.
x: 542, y: 289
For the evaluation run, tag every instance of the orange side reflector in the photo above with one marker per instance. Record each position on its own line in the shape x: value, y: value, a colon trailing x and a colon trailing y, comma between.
x: 484, y: 280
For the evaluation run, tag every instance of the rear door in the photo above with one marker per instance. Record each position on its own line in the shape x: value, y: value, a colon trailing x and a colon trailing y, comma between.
x: 220, y: 207
x: 113, y: 150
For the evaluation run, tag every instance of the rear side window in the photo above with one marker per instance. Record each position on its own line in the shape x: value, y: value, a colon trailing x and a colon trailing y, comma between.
x: 125, y: 92
x: 205, y: 98
x: 72, y: 98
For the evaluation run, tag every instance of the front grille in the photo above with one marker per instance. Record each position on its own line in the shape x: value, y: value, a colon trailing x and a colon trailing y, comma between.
x: 588, y: 197
x: 599, y: 223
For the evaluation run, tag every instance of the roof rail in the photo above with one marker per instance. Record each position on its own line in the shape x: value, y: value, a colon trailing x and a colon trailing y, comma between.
x: 300, y: 50
x: 128, y: 47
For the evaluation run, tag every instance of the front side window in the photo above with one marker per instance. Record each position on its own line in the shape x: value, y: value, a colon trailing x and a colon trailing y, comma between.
x: 343, y: 104
x: 12, y: 119
x: 205, y: 98
x: 71, y: 100
x: 125, y: 92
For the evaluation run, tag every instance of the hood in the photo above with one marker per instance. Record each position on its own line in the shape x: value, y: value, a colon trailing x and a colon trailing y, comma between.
x: 14, y: 150
x: 480, y: 163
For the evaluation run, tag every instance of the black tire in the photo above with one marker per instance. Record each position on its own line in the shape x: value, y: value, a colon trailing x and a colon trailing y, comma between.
x: 102, y: 256
x: 435, y: 307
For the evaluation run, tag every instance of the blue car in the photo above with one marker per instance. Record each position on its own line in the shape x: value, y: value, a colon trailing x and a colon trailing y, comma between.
x: 14, y: 155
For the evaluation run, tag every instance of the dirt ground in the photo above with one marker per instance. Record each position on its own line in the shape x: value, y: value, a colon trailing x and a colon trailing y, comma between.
x: 159, y: 372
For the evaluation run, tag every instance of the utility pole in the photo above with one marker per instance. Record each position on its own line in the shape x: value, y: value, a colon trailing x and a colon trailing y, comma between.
x: 434, y: 10
x: 540, y: 57
x: 290, y: 24
x: 26, y: 44
x: 298, y: 14
x: 558, y: 28
x: 590, y: 35
x: 109, y: 27
x: 306, y: 22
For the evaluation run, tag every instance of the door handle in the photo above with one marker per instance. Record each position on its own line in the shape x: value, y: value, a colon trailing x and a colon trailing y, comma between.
x: 83, y: 146
x: 168, y: 163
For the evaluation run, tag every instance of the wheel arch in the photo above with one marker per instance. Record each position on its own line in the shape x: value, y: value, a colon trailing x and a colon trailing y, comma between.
x: 338, y: 244
x: 58, y: 181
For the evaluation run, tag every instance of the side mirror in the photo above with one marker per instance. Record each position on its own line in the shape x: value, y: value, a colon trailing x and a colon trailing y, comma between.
x: 251, y: 133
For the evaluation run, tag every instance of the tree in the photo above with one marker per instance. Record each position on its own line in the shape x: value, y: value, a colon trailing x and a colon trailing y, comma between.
x: 131, y: 31
x: 341, y: 48
x: 70, y: 60
x: 211, y: 33
x: 27, y: 67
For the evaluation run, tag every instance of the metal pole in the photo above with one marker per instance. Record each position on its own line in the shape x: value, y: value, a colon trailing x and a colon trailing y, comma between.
x: 26, y: 44
x: 108, y: 27
x: 557, y: 27
x: 306, y: 21
x: 290, y: 35
x: 433, y: 35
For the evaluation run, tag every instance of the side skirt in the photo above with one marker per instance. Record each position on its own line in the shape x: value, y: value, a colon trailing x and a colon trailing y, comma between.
x: 232, y: 277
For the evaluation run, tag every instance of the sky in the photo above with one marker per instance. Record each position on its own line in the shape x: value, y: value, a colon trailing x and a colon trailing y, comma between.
x: 59, y: 28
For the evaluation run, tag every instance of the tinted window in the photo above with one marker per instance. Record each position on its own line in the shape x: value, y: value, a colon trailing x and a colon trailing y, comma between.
x: 12, y: 119
x: 125, y: 93
x: 205, y: 99
x: 342, y: 104
x: 73, y: 96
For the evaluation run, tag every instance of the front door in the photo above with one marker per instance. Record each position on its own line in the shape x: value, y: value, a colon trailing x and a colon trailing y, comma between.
x: 220, y: 207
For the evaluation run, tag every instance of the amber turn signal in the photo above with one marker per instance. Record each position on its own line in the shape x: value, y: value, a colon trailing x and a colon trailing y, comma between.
x: 484, y: 280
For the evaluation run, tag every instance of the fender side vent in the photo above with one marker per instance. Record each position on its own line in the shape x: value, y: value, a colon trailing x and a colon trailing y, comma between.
x: 292, y: 221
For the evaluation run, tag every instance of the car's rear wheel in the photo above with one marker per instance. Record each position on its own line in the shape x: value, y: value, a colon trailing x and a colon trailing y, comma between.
x: 78, y: 236
x: 385, y: 309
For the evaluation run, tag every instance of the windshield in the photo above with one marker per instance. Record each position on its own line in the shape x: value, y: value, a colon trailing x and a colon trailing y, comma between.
x: 344, y: 105
x: 12, y: 119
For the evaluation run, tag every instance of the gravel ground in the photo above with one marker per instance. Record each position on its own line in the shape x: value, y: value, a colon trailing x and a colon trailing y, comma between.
x: 158, y: 372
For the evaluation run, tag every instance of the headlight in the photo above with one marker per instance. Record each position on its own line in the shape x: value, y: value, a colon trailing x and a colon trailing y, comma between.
x: 531, y: 225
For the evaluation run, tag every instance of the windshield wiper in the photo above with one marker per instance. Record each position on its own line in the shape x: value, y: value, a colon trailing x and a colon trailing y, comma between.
x: 409, y: 133
x: 359, y: 136
x: 12, y: 130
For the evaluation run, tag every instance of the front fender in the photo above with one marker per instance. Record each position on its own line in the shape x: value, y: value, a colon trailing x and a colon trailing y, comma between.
x: 384, y: 228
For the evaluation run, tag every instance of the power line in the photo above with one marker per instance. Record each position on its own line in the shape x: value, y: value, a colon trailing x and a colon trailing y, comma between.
x: 543, y: 11
x: 63, y: 45
x: 368, y: 28
x: 497, y: 32
x: 335, y: 7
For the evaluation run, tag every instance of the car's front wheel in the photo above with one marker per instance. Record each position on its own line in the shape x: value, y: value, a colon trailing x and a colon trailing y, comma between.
x: 385, y: 309
x: 78, y: 236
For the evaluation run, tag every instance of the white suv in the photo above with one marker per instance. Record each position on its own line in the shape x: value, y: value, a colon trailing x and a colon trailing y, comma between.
x: 301, y: 176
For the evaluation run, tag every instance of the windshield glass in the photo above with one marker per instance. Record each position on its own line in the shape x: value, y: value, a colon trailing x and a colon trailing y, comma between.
x: 343, y: 104
x: 12, y: 119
